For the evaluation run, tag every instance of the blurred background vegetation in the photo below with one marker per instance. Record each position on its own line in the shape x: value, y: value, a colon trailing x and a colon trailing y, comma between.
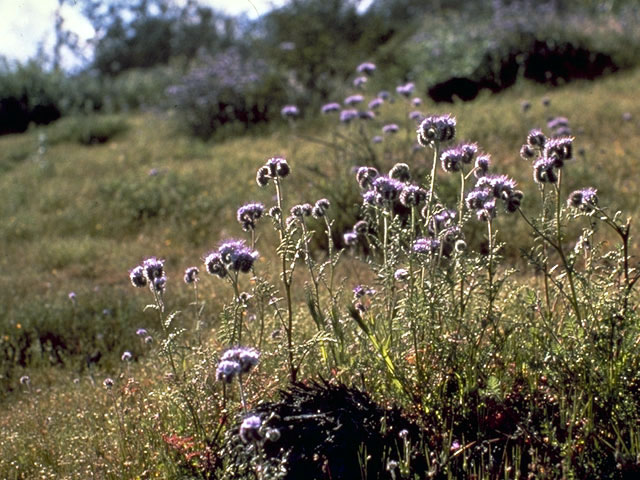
x: 224, y: 74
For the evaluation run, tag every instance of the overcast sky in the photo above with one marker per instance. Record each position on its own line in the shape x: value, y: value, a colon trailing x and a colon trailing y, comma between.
x: 26, y: 23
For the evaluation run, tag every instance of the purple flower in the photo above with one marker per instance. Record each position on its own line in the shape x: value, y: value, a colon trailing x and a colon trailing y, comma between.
x: 488, y: 210
x: 350, y: 238
x: 401, y: 275
x: 72, y: 297
x: 366, y: 115
x: 226, y: 370
x: 214, y: 265
x: 320, y: 208
x: 250, y: 429
x: 441, y: 220
x: 400, y: 171
x: 290, y: 111
x: 436, y: 128
x: 557, y: 122
x: 331, y: 107
x: 366, y: 67
x: 141, y: 332
x: 191, y: 275
x: 126, y: 356
x: 453, y: 158
x: 365, y: 176
x: 353, y: 99
x: 476, y: 198
x: 536, y: 138
x: 249, y: 214
x: 500, y: 186
x: 347, y: 115
x: 388, y: 188
x: 359, y: 81
x: 426, y: 245
x: 585, y: 199
x: 527, y: 152
x: 416, y: 116
x: 245, y: 357
x: 559, y: 150
x: 153, y: 268
x: 413, y: 196
x: 159, y: 284
x: 278, y: 167
x: 236, y: 256
x: 371, y: 197
x: 482, y: 165
x: 360, y: 228
x: 384, y: 95
x: 416, y: 102
x: 301, y: 210
x: 390, y: 128
x: 544, y: 171
x: 137, y: 277
x: 405, y: 90
x: 375, y: 103
x: 377, y: 139
x: 360, y: 291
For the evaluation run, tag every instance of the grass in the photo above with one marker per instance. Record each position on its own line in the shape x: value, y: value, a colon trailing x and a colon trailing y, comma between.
x: 77, y: 217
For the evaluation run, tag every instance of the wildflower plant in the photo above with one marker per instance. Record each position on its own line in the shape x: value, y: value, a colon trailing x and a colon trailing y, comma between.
x: 415, y: 286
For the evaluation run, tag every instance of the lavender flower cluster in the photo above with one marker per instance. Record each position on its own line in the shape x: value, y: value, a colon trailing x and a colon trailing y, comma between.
x: 235, y: 362
x: 151, y: 273
x: 233, y: 255
x: 548, y: 154
x: 275, y: 167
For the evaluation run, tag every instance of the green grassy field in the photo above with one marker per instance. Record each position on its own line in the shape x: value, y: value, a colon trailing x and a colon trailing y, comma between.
x: 76, y: 218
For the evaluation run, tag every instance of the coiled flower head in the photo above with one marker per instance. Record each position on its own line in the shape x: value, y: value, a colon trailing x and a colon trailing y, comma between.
x: 401, y: 172
x: 191, y: 275
x: 559, y: 150
x: 436, y: 128
x: 527, y: 152
x: 388, y: 188
x: 452, y: 159
x: 278, y: 167
x: 137, y: 277
x: 250, y: 429
x: 544, y: 171
x: 365, y: 176
x: 249, y: 214
x: 483, y: 162
x: 320, y: 208
x: 585, y: 199
x: 536, y: 138
x: 301, y: 210
x: 413, y: 196
x: 476, y: 198
x: 416, y: 116
x: 153, y: 268
x: 214, y: 265
x: 401, y: 275
x: 236, y: 256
